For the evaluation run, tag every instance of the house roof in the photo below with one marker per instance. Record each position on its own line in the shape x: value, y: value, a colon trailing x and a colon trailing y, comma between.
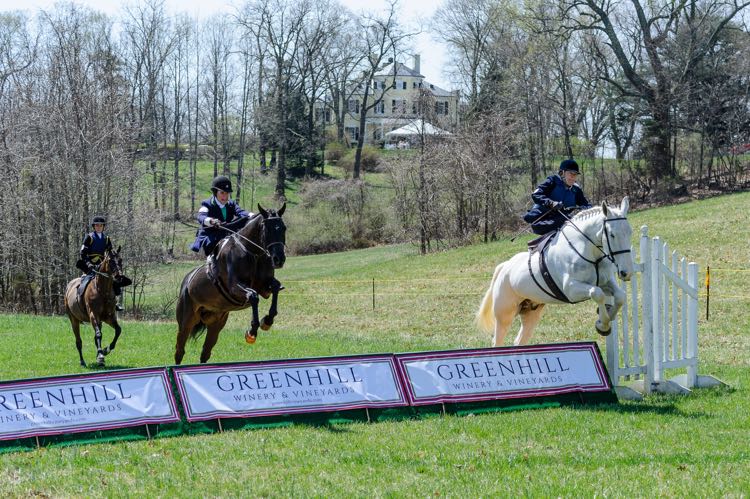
x: 417, y: 127
x: 401, y: 70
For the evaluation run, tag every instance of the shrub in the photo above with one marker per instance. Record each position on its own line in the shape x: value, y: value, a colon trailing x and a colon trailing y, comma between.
x: 334, y: 152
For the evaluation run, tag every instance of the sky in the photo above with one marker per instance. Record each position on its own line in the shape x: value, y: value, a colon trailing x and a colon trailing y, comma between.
x: 413, y: 15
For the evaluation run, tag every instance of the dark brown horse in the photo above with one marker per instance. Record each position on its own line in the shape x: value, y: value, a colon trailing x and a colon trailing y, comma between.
x: 97, y: 304
x: 241, y: 269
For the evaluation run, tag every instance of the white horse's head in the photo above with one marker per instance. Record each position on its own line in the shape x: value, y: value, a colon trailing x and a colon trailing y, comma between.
x: 615, y: 235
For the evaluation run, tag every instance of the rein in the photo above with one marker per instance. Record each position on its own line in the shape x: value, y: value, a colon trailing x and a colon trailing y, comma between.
x: 555, y: 291
x: 253, y: 243
x: 608, y: 255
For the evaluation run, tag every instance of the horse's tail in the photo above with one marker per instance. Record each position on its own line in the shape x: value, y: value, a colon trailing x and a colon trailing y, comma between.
x: 485, y: 319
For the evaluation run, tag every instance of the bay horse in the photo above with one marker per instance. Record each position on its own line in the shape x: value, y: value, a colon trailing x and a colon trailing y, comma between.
x: 577, y: 263
x: 240, y: 269
x: 96, y: 305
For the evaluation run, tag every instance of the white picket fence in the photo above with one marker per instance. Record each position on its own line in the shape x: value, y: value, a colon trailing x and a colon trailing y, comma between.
x: 657, y: 329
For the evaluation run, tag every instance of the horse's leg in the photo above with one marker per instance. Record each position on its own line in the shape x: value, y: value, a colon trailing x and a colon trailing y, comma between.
x: 252, y: 334
x: 76, y: 325
x: 116, y: 326
x: 97, y: 325
x: 267, y: 322
x: 618, y: 296
x: 530, y: 317
x: 505, y: 312
x: 212, y: 335
x: 187, y: 320
x: 578, y: 291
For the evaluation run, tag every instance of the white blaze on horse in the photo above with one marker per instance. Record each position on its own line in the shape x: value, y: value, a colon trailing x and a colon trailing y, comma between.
x: 579, y: 262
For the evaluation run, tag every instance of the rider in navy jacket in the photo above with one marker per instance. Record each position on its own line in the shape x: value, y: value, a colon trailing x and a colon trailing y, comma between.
x: 215, y: 211
x: 557, y: 193
x: 95, y: 244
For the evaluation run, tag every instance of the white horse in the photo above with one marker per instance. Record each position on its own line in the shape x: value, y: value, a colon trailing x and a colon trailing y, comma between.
x: 580, y: 260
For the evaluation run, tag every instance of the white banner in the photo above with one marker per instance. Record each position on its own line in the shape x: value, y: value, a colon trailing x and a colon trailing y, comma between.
x: 285, y: 387
x: 498, y: 373
x: 53, y: 406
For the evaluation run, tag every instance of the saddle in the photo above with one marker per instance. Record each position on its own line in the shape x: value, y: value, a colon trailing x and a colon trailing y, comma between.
x: 85, y: 280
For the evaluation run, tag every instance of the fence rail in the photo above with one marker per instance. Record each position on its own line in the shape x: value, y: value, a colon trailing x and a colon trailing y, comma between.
x: 658, y: 327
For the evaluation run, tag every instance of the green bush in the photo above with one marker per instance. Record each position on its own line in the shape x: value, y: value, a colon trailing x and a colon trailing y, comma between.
x: 334, y: 152
x: 369, y: 162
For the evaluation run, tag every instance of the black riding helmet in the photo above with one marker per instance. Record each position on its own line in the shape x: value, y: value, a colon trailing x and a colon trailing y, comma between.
x: 98, y: 220
x: 569, y: 165
x: 221, y: 183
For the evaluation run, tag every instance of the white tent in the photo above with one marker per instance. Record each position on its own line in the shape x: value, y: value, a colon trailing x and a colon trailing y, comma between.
x: 416, y: 129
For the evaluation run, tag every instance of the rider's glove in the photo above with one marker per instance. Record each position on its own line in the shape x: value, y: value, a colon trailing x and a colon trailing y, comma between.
x: 211, y: 222
x: 555, y: 205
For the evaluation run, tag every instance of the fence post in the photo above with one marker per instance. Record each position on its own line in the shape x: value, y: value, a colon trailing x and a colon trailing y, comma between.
x: 692, y: 333
x: 648, y: 314
x: 654, y: 361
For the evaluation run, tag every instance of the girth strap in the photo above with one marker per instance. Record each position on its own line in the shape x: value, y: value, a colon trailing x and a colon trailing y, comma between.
x: 216, y: 280
x: 554, y: 290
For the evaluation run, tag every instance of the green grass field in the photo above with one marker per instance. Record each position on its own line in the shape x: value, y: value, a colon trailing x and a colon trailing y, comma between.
x: 693, y: 446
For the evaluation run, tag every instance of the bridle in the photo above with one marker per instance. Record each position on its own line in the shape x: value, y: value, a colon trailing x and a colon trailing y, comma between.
x: 609, y: 254
x: 115, y: 269
x: 265, y: 249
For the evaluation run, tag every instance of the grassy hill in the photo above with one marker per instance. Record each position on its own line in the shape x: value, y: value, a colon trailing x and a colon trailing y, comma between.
x: 665, y: 445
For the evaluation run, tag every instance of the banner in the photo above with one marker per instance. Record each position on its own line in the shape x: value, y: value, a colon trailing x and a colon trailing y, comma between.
x: 286, y: 387
x: 502, y: 373
x: 88, y: 402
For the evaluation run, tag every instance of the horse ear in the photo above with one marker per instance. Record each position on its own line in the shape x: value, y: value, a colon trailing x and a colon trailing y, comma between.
x: 262, y: 211
x: 625, y: 205
x: 604, y: 208
x: 281, y: 210
x: 119, y: 248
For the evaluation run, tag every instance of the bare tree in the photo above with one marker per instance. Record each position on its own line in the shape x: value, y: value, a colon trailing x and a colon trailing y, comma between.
x: 381, y: 39
x: 647, y: 30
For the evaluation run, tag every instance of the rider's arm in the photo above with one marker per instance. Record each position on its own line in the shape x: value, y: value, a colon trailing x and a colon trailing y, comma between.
x: 542, y: 192
x: 202, y: 214
x: 239, y: 212
x: 86, y: 248
x: 581, y: 200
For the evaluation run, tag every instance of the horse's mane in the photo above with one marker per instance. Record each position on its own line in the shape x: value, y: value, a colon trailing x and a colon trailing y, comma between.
x: 587, y: 214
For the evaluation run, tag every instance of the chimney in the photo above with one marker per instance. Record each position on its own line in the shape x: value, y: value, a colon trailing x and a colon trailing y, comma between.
x: 416, y: 63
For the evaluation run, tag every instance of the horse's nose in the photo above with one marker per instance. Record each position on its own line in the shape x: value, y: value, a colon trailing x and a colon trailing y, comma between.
x: 278, y: 261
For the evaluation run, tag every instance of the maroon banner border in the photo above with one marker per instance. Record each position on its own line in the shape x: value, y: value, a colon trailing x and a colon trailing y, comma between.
x: 403, y: 359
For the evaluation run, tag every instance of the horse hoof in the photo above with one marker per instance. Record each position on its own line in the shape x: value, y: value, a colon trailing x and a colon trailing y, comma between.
x: 250, y: 338
x: 264, y: 326
x: 603, y: 333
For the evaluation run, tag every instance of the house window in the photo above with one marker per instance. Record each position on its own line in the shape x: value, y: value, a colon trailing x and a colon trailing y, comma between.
x: 380, y: 108
x: 414, y: 84
x: 353, y: 106
x: 403, y: 85
x: 352, y: 132
x: 441, y: 107
x: 398, y: 106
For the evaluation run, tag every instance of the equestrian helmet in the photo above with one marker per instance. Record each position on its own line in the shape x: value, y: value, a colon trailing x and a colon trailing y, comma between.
x: 98, y: 220
x: 221, y: 183
x: 569, y: 165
